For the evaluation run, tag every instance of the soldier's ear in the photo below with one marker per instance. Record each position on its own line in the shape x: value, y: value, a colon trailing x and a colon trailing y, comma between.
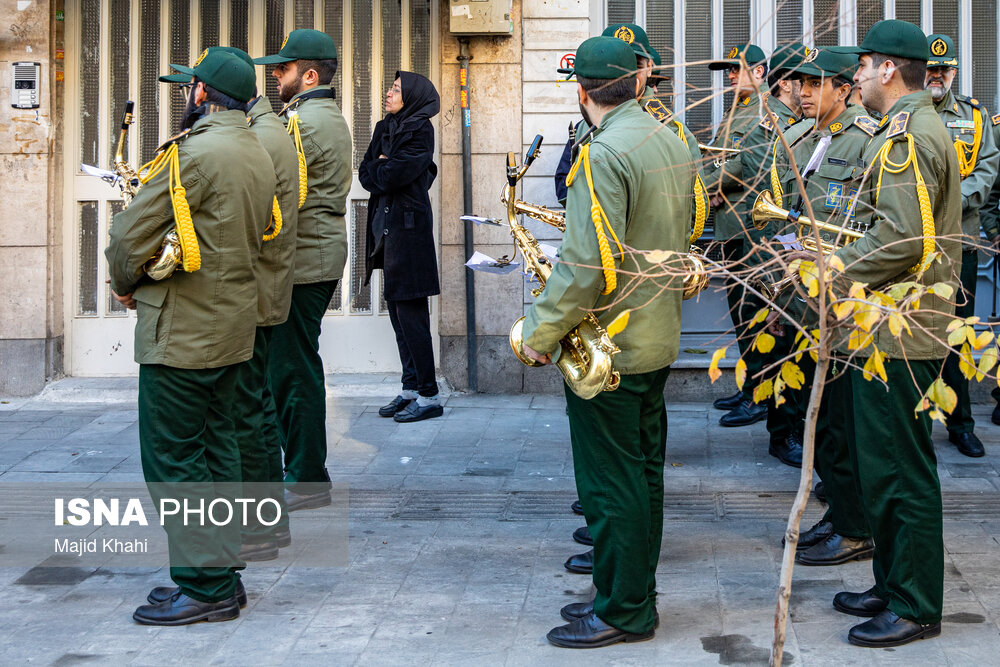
x: 582, y: 94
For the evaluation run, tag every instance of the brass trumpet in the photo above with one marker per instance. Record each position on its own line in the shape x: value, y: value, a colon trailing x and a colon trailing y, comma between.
x: 765, y: 210
x: 723, y: 154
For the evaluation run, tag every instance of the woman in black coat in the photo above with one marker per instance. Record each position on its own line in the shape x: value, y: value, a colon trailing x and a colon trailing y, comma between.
x: 398, y: 170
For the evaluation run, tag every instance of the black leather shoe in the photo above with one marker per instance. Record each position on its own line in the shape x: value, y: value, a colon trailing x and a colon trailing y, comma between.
x: 414, y: 412
x: 283, y: 538
x: 592, y: 632
x: 859, y: 604
x: 820, y: 492
x: 744, y: 414
x: 260, y: 551
x: 788, y: 451
x: 574, y: 611
x: 164, y: 593
x: 582, y: 536
x: 295, y: 501
x: 887, y: 629
x: 394, y: 406
x: 581, y: 563
x: 577, y: 507
x: 835, y: 550
x: 818, y: 533
x: 179, y: 609
x: 967, y: 443
x: 729, y: 402
x: 996, y: 415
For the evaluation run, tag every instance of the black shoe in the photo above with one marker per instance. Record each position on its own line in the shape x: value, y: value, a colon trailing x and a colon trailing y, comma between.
x: 394, y: 406
x: 592, y: 632
x: 820, y: 493
x: 996, y: 415
x: 283, y: 538
x: 581, y: 563
x: 744, y: 414
x: 574, y: 611
x: 179, y: 609
x: 818, y: 533
x: 835, y: 550
x: 163, y: 593
x: 967, y: 443
x: 414, y: 412
x: 887, y: 629
x: 295, y: 501
x: 260, y: 551
x: 859, y: 604
x: 577, y: 507
x: 729, y: 402
x: 788, y: 451
x: 582, y: 536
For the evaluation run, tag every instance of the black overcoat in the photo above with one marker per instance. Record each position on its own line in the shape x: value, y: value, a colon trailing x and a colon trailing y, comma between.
x: 405, y: 249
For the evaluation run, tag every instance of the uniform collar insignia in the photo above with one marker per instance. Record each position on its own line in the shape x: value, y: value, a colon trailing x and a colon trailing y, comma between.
x: 897, y: 125
x: 867, y: 124
x: 657, y: 110
x: 996, y: 119
x: 836, y: 127
x: 173, y: 140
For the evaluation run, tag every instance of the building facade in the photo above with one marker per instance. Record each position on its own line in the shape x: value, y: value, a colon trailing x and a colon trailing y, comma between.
x: 57, y: 316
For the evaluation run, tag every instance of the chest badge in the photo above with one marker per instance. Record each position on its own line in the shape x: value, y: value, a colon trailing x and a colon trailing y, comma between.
x: 834, y: 191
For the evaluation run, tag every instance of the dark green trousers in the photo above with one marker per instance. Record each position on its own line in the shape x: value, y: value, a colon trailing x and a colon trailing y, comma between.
x: 189, y: 452
x: 834, y: 463
x: 742, y: 307
x: 295, y: 371
x: 256, y: 427
x: 618, y: 440
x: 960, y: 420
x: 785, y: 419
x: 897, y: 474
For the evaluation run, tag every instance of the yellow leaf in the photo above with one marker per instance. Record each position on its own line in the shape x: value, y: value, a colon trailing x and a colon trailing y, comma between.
x: 857, y: 291
x: 982, y: 340
x: 764, y: 342
x: 859, y: 340
x: 954, y: 324
x: 792, y: 375
x: 957, y: 336
x: 713, y: 369
x: 966, y: 363
x: 972, y: 320
x: 835, y: 263
x: 937, y: 416
x: 942, y: 395
x: 943, y: 290
x: 874, y: 366
x: 842, y: 309
x: 865, y: 316
x: 763, y: 391
x: 659, y: 256
x: 759, y: 317
x: 986, y: 363
x: 779, y: 386
x: 809, y: 277
x: 895, y: 324
x: 741, y: 373
x: 618, y: 324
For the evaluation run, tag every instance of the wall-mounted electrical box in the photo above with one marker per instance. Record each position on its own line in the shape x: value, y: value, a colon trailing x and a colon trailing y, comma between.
x: 481, y: 17
x: 25, y: 84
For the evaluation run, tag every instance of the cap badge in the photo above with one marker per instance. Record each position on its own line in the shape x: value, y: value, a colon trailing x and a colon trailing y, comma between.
x: 285, y: 41
x: 625, y: 34
x: 938, y: 47
x: 810, y: 55
x: 201, y: 57
x: 733, y: 52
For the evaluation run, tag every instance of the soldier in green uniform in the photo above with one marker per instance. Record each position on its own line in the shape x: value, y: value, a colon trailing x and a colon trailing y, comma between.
x: 195, y: 329
x: 989, y: 218
x: 618, y: 437
x: 910, y: 157
x: 304, y: 68
x: 729, y: 204
x: 842, y: 534
x: 969, y: 124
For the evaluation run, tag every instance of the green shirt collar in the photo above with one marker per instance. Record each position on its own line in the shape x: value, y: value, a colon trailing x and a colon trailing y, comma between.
x: 326, y: 86
x: 947, y: 103
x: 261, y: 106
x: 228, y: 118
x: 613, y: 116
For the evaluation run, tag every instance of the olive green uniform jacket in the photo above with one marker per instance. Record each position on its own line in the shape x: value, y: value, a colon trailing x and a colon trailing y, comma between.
x: 648, y: 205
x: 893, y: 244
x: 321, y: 251
x: 207, y: 318
x: 989, y: 215
x: 738, y: 121
x: 277, y: 256
x: 960, y: 114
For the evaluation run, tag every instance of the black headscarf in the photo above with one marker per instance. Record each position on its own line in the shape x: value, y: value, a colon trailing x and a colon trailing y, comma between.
x: 420, y: 102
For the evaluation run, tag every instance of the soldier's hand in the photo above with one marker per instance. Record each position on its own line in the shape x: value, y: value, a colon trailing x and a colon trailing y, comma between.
x: 716, y: 200
x: 544, y: 359
x: 125, y: 300
x: 773, y: 325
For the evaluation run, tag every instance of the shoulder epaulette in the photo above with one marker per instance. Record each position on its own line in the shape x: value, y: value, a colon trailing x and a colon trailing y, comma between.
x: 996, y: 119
x: 173, y: 140
x: 866, y: 124
x: 657, y: 110
x: 971, y: 100
x: 766, y: 123
x: 898, y: 124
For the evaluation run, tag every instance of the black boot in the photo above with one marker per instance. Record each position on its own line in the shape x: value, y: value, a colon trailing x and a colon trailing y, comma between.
x: 818, y: 533
x: 744, y: 414
x: 592, y: 632
x: 164, y: 593
x: 859, y: 604
x: 582, y: 536
x: 577, y: 507
x: 836, y: 550
x: 729, y: 402
x: 888, y: 629
x: 581, y: 563
x: 179, y: 609
x: 787, y: 450
x: 967, y: 443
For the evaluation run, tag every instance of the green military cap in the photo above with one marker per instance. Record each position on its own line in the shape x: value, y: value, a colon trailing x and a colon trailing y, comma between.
x: 788, y: 57
x: 223, y: 71
x: 632, y: 35
x: 893, y: 37
x: 943, y: 51
x: 602, y: 58
x: 302, y: 44
x: 184, y: 78
x: 753, y: 53
x: 828, y: 62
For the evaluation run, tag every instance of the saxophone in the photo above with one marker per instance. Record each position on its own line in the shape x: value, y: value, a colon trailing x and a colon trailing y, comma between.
x: 585, y: 360
x: 168, y: 257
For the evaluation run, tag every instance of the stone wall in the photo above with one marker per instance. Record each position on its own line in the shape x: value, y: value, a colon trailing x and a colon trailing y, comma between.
x: 514, y: 94
x: 31, y: 262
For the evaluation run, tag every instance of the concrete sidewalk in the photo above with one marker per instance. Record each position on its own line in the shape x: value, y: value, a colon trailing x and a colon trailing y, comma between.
x: 459, y: 527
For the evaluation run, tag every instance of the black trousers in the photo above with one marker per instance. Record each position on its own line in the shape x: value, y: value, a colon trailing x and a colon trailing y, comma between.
x: 411, y: 320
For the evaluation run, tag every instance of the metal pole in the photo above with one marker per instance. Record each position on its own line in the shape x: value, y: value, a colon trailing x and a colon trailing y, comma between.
x: 471, y: 345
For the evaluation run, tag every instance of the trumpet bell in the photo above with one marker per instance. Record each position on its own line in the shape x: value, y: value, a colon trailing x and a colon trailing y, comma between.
x: 167, y: 258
